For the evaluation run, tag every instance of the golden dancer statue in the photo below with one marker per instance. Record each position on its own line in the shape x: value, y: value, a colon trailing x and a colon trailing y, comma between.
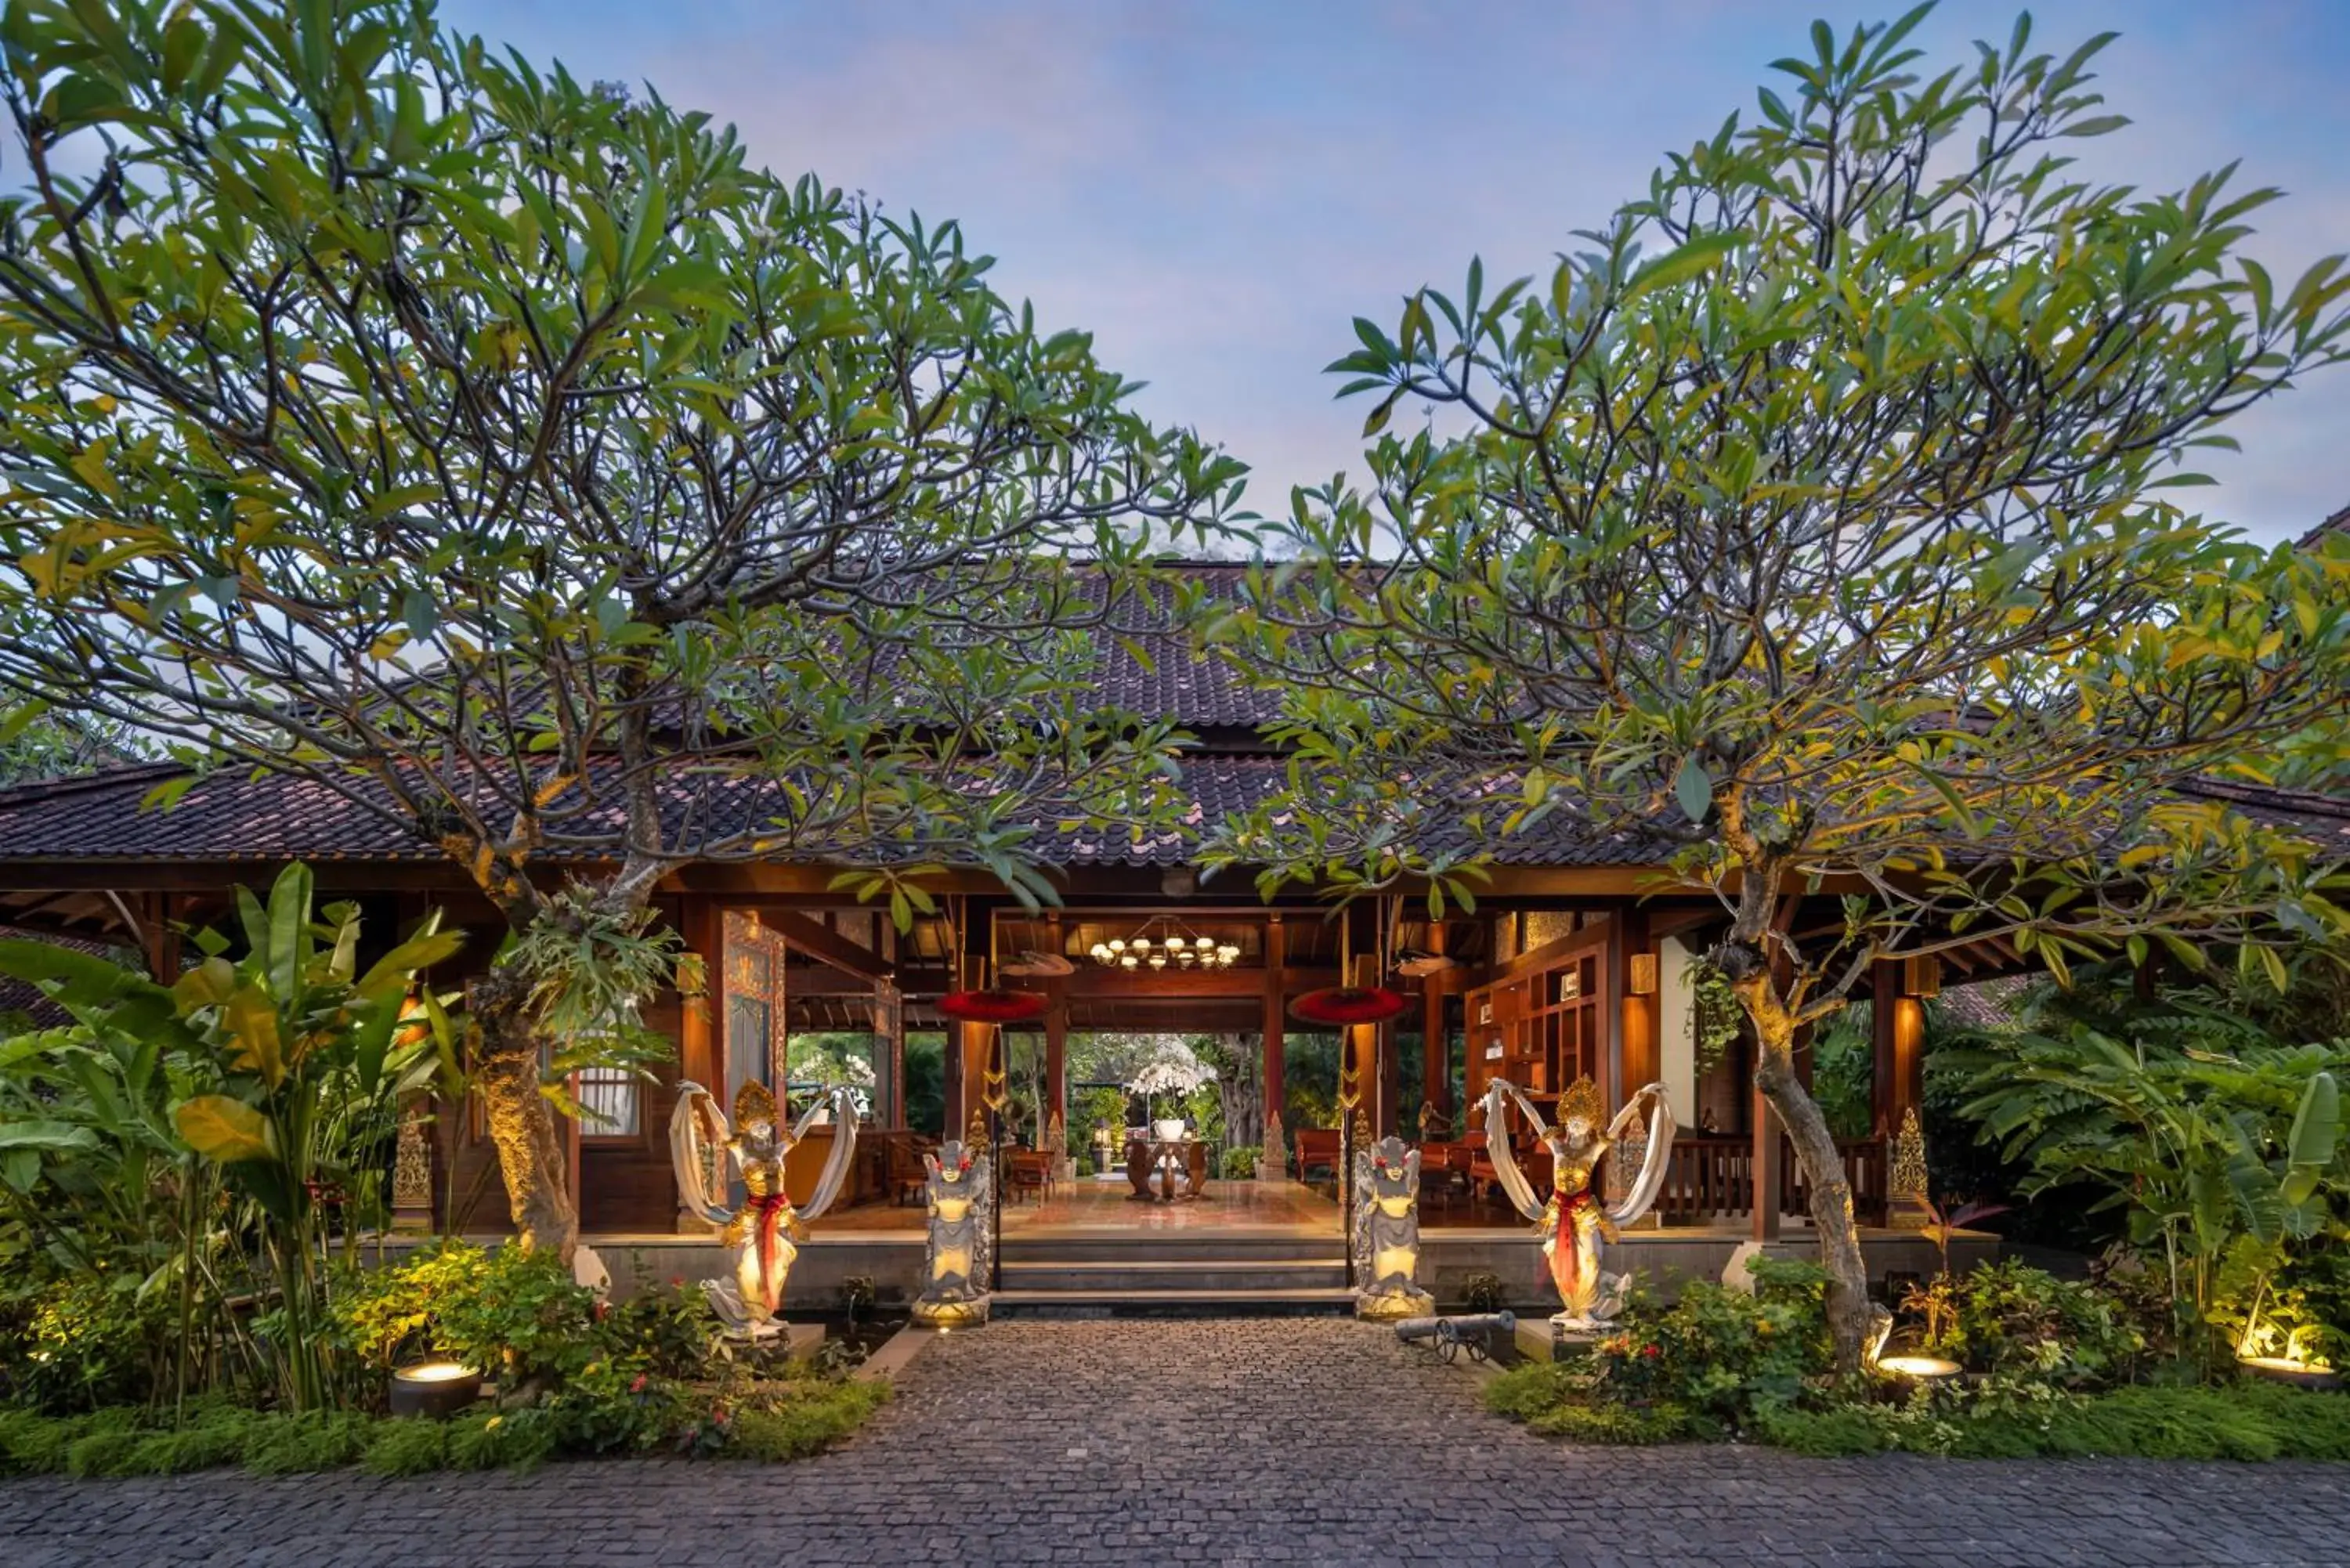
x: 764, y: 1232
x: 1574, y: 1221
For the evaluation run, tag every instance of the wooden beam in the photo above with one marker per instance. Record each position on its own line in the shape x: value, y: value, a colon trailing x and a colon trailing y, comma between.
x: 824, y: 944
x: 1238, y: 983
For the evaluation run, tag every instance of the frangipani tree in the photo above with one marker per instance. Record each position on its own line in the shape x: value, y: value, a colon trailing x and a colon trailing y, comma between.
x: 1810, y: 519
x: 517, y: 462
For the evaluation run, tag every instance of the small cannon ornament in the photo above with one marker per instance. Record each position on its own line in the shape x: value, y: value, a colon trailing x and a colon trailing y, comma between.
x: 1448, y: 1336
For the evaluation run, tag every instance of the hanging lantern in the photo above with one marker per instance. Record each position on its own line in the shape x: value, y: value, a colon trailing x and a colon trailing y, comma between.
x: 1347, y: 1004
x: 992, y: 1005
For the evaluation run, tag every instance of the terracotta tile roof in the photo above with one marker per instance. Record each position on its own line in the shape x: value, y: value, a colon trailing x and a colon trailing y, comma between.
x: 23, y: 996
x: 237, y: 815
x: 2338, y: 523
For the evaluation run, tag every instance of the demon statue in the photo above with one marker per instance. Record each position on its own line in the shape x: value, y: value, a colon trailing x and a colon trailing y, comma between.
x: 765, y: 1232
x: 1575, y: 1222
x: 1386, y: 1231
x: 960, y: 1196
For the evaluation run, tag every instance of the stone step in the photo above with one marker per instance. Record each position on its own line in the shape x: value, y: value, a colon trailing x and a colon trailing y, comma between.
x: 1164, y: 1274
x: 1319, y: 1302
x: 1149, y: 1246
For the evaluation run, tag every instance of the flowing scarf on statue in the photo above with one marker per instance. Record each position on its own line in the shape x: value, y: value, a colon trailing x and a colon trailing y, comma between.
x: 1566, y: 1260
x: 768, y: 1214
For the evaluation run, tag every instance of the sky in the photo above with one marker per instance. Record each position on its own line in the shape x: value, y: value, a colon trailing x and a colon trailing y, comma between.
x: 1216, y: 190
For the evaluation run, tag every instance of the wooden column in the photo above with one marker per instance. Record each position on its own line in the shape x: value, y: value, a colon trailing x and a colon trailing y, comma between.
x: 1884, y: 1016
x: 1641, y: 1053
x: 1435, y: 1061
x: 1386, y: 1086
x: 1767, y: 1160
x: 703, y: 924
x: 1272, y: 1025
x: 1898, y: 1038
x: 890, y: 1049
x: 1057, y: 1047
x: 159, y: 938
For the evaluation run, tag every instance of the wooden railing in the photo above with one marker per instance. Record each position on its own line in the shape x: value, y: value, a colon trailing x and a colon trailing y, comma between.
x: 1709, y: 1177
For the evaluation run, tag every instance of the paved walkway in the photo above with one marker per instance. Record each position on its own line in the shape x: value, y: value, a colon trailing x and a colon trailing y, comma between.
x: 1142, y: 1443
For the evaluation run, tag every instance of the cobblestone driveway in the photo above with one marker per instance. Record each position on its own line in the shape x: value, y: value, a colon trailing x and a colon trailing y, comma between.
x: 1137, y: 1443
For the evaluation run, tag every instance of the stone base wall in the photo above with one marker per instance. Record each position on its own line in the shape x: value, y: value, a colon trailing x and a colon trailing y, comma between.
x: 819, y: 1280
x: 1663, y: 1260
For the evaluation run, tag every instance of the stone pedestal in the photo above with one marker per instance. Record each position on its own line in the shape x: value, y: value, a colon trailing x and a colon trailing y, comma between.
x: 1272, y: 1163
x: 966, y: 1314
x: 1905, y: 1198
x: 412, y: 1178
x: 1539, y: 1339
x: 1393, y: 1306
x: 774, y: 1341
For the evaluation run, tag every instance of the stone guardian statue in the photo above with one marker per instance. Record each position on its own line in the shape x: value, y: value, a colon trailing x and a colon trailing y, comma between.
x: 1386, y: 1231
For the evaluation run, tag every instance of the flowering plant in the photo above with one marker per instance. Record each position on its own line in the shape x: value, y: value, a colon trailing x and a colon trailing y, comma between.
x: 1173, y: 1073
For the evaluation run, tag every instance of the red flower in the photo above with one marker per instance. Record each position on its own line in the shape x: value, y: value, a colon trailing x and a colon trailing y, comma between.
x: 638, y: 1386
x: 1648, y: 1350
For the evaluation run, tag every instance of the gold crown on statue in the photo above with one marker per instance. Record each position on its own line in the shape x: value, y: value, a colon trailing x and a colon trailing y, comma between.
x: 1580, y: 1100
x: 755, y: 1102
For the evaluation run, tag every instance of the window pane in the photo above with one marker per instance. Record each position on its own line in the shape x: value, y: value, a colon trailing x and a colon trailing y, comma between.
x: 610, y: 1100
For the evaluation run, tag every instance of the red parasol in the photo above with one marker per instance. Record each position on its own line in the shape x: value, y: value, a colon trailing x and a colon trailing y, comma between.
x: 992, y: 1005
x: 1344, y: 1004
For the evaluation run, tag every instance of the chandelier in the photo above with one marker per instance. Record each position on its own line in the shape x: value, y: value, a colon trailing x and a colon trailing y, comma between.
x: 1175, y: 948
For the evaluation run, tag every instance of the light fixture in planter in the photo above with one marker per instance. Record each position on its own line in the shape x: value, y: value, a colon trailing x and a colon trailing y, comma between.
x: 1921, y: 1369
x: 436, y: 1388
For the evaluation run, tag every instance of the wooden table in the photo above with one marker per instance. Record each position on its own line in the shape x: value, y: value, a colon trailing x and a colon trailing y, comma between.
x: 1166, y: 1158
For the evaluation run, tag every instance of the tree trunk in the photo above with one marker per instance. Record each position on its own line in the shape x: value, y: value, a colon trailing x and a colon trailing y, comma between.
x: 1240, y: 1086
x: 1848, y: 1307
x: 522, y: 1123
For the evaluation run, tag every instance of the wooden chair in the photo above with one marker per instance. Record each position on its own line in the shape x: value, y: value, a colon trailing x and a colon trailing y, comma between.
x: 1028, y: 1170
x: 1436, y: 1173
x: 1317, y: 1146
x: 906, y: 1175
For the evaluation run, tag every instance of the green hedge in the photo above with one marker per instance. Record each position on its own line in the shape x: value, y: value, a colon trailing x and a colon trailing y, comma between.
x: 783, y: 1419
x: 2247, y: 1420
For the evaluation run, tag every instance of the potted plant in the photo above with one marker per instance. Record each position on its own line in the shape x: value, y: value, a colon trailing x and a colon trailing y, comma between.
x: 1165, y: 1082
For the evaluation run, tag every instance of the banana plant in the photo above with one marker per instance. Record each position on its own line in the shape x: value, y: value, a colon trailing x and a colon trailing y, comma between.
x: 299, y: 1061
x: 2197, y: 1147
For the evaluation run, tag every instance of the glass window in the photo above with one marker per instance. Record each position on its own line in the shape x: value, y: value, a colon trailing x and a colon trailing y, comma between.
x: 612, y: 1101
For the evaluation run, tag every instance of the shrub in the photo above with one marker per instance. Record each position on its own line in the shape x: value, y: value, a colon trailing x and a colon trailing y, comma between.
x: 808, y: 1420
x: 1533, y: 1388
x: 1719, y: 1352
x: 90, y: 1341
x: 2245, y: 1421
x: 1240, y: 1164
x: 520, y: 1317
x: 409, y: 1445
x: 668, y: 1330
x: 2016, y: 1319
x: 1601, y: 1422
x: 489, y: 1440
x: 311, y: 1441
x: 387, y: 1315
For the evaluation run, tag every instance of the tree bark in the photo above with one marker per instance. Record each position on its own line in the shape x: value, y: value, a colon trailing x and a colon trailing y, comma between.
x: 522, y: 1123
x: 1830, y: 1192
x: 1239, y: 1084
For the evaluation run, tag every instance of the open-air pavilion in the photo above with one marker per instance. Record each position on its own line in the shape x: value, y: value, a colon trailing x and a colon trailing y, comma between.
x: 1572, y: 965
